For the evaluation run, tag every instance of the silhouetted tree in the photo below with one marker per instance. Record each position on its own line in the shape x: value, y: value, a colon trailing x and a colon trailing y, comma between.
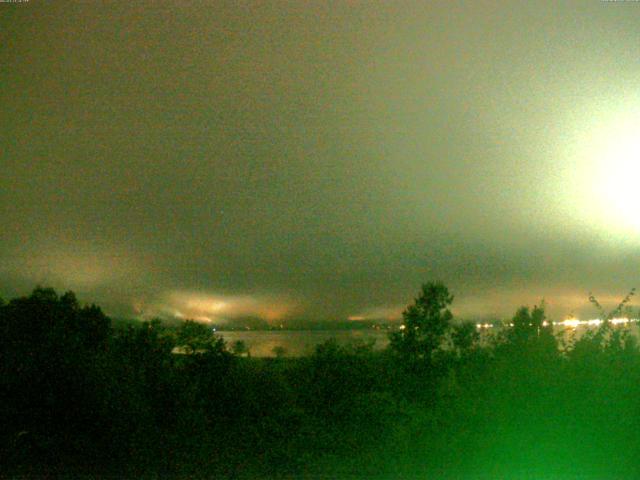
x: 49, y: 349
x: 464, y: 337
x: 530, y: 334
x: 527, y: 324
x: 197, y: 337
x: 239, y: 347
x: 621, y: 308
x: 607, y: 338
x: 425, y: 324
x: 279, y: 351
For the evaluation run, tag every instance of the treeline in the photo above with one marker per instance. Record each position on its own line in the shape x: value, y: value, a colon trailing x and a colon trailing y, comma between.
x: 81, y: 397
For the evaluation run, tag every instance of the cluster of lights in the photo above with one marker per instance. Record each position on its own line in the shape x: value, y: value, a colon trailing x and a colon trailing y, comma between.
x: 570, y: 323
x: 482, y: 326
x: 575, y: 323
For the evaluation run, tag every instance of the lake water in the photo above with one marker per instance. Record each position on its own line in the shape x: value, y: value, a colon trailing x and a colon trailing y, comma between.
x: 261, y: 343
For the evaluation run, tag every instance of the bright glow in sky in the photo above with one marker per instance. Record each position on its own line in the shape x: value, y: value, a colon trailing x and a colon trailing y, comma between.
x: 215, y: 307
x: 620, y: 170
x: 606, y: 173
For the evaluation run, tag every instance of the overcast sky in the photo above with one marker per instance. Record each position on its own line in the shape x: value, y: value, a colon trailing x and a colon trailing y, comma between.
x: 320, y: 159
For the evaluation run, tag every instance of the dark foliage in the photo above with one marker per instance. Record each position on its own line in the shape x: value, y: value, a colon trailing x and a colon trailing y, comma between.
x: 79, y: 396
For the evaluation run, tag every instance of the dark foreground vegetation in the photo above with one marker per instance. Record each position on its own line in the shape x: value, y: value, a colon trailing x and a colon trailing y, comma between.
x: 79, y: 397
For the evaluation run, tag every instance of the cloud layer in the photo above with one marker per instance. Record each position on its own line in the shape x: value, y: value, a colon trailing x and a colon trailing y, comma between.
x: 315, y: 159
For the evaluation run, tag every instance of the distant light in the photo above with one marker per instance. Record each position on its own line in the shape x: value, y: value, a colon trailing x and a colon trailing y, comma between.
x: 484, y: 325
x: 618, y: 321
x: 567, y: 323
x: 570, y: 323
x: 594, y: 322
